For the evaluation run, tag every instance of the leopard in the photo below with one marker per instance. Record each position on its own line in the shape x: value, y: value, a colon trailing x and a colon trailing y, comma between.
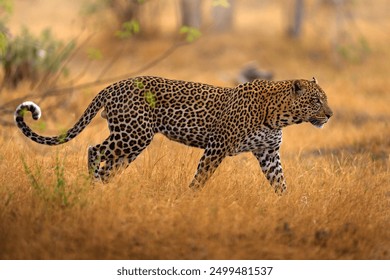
x: 223, y: 121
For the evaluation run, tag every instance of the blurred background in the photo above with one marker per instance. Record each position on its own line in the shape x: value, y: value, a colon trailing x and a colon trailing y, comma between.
x: 52, y: 44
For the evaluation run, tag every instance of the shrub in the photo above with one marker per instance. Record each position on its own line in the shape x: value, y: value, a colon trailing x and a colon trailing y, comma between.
x: 34, y: 58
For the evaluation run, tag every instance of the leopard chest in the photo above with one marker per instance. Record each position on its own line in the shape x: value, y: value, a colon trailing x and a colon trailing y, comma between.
x: 256, y: 140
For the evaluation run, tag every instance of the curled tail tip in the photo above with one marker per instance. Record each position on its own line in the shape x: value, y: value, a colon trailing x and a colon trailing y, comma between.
x: 27, y: 106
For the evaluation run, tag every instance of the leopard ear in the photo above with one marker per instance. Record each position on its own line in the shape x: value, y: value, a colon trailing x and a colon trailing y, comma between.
x: 315, y: 80
x: 298, y: 87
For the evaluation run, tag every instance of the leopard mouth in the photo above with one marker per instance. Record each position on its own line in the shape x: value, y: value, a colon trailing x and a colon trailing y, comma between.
x: 318, y: 122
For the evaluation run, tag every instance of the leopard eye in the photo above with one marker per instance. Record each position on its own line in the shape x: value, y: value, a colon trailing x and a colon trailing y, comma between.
x: 316, y: 100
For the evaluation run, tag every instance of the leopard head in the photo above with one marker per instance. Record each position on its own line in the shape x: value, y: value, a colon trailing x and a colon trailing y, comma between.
x: 310, y: 103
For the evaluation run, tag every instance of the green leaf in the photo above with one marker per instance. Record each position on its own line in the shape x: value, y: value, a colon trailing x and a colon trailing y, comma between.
x: 184, y: 29
x: 23, y: 112
x: 94, y: 54
x: 62, y: 137
x: 192, y: 33
x: 221, y: 3
x: 40, y: 126
x: 139, y: 84
x: 129, y: 28
x: 7, y: 5
x: 150, y: 98
x: 90, y: 8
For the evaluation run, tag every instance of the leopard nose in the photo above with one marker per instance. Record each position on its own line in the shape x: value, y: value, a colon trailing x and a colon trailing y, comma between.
x: 329, y: 114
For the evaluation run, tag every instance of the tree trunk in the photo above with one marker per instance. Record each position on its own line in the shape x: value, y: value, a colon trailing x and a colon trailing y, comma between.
x: 191, y: 13
x: 295, y: 26
x: 223, y: 17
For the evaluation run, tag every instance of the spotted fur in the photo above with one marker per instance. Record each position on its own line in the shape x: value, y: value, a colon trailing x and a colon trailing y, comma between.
x: 222, y: 121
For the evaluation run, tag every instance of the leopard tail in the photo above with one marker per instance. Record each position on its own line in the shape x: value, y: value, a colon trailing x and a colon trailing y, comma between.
x: 91, y: 111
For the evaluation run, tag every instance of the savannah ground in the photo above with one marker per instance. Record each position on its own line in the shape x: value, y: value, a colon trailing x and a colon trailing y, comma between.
x: 338, y: 200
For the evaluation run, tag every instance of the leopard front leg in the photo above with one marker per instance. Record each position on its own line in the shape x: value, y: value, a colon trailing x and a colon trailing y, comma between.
x: 271, y: 166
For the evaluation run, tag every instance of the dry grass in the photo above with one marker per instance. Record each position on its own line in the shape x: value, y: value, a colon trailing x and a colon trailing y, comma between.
x: 337, y: 206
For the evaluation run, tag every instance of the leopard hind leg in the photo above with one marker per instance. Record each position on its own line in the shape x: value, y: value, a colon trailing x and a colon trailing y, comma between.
x: 110, y: 166
x: 98, y: 155
x: 95, y: 158
x: 116, y: 153
x: 208, y: 163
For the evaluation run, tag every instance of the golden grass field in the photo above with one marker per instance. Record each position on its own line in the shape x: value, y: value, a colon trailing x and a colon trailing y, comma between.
x: 338, y: 201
